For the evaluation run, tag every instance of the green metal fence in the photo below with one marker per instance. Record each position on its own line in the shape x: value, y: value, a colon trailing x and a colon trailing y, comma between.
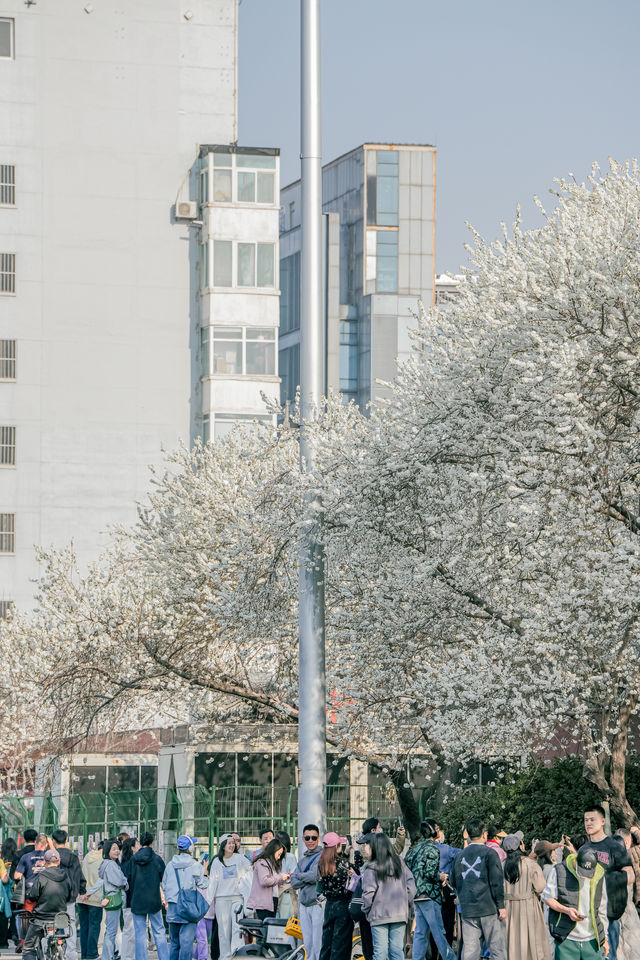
x: 207, y: 812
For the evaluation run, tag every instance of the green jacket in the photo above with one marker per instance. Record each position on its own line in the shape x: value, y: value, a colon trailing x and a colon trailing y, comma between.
x: 424, y: 862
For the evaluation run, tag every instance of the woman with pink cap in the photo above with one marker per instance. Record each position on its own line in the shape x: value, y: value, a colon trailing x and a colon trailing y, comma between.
x: 334, y: 873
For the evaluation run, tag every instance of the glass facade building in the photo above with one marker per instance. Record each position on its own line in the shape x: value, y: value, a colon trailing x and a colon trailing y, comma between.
x: 379, y: 205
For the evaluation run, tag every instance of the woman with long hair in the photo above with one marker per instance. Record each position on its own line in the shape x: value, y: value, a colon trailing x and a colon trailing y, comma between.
x: 523, y: 883
x: 226, y: 875
x: 267, y: 877
x: 130, y: 845
x: 387, y: 889
x: 287, y: 902
x: 114, y: 886
x: 334, y: 873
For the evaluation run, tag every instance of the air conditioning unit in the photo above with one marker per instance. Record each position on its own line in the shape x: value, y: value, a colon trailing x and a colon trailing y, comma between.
x: 187, y: 210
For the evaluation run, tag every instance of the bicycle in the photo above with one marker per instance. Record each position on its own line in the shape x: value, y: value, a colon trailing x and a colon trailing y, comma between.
x: 54, y: 933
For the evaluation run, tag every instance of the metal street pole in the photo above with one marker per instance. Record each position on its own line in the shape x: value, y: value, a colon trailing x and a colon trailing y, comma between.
x: 312, y: 804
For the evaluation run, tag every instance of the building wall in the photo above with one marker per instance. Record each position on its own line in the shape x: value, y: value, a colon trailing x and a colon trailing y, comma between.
x: 379, y: 263
x: 101, y: 111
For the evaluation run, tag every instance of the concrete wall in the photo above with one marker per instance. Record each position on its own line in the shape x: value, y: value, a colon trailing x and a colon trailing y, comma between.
x: 102, y: 111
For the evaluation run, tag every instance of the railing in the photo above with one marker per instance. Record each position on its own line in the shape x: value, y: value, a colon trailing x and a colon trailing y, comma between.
x: 205, y: 812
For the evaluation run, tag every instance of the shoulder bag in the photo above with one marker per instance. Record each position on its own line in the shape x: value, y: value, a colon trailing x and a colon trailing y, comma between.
x: 191, y: 906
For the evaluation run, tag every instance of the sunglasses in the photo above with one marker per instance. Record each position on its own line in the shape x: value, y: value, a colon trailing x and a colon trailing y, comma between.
x: 311, y: 836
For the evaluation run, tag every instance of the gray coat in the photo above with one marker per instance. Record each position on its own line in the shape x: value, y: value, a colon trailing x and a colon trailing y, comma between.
x: 305, y: 876
x: 387, y: 901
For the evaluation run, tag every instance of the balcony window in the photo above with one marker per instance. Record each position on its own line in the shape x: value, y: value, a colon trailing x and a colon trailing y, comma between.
x: 238, y: 351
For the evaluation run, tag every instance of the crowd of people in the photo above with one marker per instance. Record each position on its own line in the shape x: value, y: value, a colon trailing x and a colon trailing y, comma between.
x: 491, y: 897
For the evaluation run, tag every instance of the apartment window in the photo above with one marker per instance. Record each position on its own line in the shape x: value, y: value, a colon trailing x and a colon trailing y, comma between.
x: 7, y: 359
x: 349, y: 358
x: 289, y: 373
x: 292, y: 214
x: 7, y: 446
x: 6, y: 607
x: 205, y: 341
x: 222, y: 263
x: 290, y: 293
x: 206, y: 428
x: 256, y: 266
x: 243, y: 178
x: 243, y: 351
x: 7, y: 38
x: 7, y: 533
x: 387, y: 261
x: 204, y: 265
x: 7, y: 273
x: 382, y: 189
x: 7, y: 185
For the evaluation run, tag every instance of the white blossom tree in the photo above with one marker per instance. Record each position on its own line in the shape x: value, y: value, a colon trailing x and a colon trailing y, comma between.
x: 481, y: 530
x: 493, y: 501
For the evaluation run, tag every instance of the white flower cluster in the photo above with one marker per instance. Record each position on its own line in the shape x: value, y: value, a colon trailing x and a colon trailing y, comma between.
x: 480, y: 528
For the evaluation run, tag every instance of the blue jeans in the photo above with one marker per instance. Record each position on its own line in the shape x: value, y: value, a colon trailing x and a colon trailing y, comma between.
x: 429, y: 919
x: 111, y: 927
x: 182, y: 936
x: 90, y: 918
x: 388, y: 941
x: 613, y: 938
x: 159, y: 935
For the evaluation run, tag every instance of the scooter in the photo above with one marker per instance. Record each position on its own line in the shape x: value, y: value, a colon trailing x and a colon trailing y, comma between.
x: 271, y: 937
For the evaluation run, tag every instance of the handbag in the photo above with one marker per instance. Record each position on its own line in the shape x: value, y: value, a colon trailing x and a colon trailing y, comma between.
x: 114, y: 900
x: 355, y: 904
x: 191, y: 906
x: 17, y: 897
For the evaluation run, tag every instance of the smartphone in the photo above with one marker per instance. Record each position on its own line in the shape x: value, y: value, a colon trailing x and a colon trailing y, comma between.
x: 349, y: 840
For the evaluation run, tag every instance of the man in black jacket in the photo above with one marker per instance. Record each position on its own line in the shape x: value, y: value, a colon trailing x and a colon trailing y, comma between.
x: 147, y: 899
x: 51, y: 891
x: 71, y: 864
x: 477, y: 878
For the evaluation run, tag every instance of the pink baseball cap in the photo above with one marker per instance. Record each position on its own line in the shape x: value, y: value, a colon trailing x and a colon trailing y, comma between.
x: 332, y: 839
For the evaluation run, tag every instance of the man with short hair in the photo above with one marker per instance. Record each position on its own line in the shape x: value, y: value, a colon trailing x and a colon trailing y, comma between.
x: 576, y: 896
x: 304, y: 879
x: 31, y: 863
x: 478, y: 880
x: 51, y: 891
x: 29, y: 841
x: 266, y: 836
x: 147, y: 898
x: 70, y: 862
x: 613, y: 857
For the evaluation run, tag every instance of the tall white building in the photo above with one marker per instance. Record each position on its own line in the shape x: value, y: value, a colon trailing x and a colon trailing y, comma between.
x: 104, y: 306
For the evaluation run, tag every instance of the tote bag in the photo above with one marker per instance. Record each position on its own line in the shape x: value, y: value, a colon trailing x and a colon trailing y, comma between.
x: 191, y: 906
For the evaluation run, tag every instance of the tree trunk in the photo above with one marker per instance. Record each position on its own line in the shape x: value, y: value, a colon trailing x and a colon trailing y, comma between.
x: 618, y: 768
x: 408, y: 804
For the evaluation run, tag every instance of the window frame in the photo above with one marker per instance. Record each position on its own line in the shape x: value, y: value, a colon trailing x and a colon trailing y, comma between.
x: 208, y: 258
x: 208, y: 340
x: 7, y: 274
x: 7, y: 185
x: 7, y: 534
x: 11, y: 362
x: 12, y: 37
x: 7, y: 446
x: 258, y: 165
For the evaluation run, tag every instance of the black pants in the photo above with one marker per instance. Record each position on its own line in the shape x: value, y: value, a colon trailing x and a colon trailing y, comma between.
x: 215, y: 942
x: 448, y: 920
x: 90, y: 918
x: 366, y: 938
x: 263, y: 914
x: 34, y: 934
x: 337, y: 931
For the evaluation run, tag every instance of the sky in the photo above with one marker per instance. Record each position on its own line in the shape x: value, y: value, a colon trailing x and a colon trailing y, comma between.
x: 512, y: 94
